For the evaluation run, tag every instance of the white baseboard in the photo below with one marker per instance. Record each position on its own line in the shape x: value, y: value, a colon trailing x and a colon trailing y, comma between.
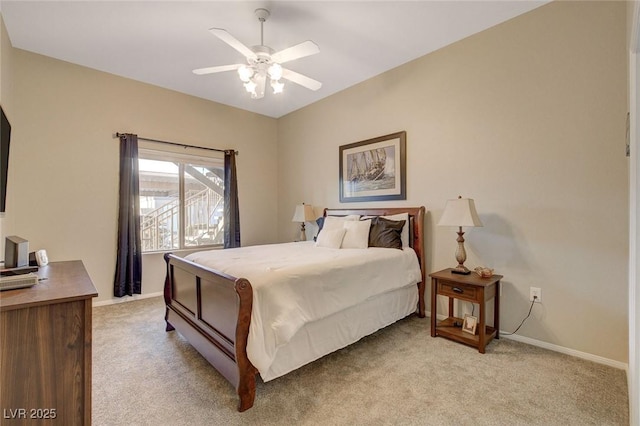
x: 556, y: 348
x: 567, y: 351
x: 124, y: 299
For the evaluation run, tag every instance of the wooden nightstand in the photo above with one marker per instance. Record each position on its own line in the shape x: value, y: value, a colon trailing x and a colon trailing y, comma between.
x: 470, y: 288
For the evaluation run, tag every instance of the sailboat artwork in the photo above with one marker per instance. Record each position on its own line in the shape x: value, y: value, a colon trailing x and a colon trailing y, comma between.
x: 373, y: 169
x: 369, y: 170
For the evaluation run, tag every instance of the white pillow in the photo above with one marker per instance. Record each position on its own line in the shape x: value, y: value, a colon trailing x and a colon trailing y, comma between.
x: 331, y: 238
x: 357, y: 235
x: 335, y: 222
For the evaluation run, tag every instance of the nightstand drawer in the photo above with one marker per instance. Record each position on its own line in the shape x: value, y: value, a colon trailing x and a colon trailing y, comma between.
x: 459, y: 291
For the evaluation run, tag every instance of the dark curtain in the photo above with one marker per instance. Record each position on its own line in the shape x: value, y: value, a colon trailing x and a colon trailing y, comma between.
x: 231, y: 210
x: 128, y: 279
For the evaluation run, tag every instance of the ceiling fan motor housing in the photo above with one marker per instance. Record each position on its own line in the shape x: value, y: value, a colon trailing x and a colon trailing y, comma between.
x: 263, y: 54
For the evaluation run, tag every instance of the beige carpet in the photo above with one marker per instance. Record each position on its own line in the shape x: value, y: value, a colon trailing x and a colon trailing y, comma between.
x: 400, y: 375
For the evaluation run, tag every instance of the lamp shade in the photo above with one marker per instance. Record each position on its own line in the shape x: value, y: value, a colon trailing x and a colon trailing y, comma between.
x: 460, y: 212
x: 303, y: 213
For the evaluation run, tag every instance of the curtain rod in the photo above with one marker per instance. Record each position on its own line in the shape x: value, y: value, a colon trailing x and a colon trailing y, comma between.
x: 117, y: 135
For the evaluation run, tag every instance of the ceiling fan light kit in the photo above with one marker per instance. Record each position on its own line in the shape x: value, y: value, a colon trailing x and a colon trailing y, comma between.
x: 263, y: 62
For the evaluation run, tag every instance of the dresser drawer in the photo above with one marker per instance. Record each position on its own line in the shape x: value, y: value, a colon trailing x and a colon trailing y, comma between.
x: 459, y: 291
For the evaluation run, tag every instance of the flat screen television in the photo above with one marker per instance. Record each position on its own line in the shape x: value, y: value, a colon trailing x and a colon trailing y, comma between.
x: 5, y: 138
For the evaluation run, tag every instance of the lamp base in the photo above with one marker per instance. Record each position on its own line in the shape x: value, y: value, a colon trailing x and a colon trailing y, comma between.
x: 460, y: 270
x: 303, y: 233
x: 461, y: 256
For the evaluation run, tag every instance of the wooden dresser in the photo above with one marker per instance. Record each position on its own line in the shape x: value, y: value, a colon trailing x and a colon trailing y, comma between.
x: 45, y: 338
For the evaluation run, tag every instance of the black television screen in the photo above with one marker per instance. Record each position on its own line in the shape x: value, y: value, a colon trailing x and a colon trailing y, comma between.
x: 5, y: 138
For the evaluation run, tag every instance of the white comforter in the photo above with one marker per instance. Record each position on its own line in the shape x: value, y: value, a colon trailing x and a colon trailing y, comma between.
x: 297, y: 283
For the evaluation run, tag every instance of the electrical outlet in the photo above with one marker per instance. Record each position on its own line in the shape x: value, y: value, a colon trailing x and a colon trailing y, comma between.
x: 537, y: 292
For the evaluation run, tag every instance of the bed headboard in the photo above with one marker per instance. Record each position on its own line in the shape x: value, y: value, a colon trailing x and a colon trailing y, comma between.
x: 415, y: 213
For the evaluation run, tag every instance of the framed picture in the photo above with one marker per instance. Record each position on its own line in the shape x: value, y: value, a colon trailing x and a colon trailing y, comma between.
x: 469, y: 324
x: 374, y: 169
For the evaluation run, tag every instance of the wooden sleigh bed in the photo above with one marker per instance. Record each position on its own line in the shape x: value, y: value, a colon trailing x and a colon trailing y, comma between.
x: 213, y: 310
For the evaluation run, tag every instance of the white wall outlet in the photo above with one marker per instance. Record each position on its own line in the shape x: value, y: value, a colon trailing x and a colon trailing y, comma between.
x: 537, y: 292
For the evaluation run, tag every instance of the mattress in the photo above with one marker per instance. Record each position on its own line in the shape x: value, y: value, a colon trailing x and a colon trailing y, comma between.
x: 319, y: 338
x: 296, y: 285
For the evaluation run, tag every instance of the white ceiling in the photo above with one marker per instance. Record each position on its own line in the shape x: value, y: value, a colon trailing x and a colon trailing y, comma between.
x: 160, y: 42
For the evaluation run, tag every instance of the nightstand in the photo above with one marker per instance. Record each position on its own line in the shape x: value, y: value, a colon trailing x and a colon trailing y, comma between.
x: 470, y: 288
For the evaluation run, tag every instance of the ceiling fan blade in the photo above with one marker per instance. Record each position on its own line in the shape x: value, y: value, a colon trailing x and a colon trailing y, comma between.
x: 300, y: 79
x: 306, y: 48
x: 233, y: 42
x: 221, y: 68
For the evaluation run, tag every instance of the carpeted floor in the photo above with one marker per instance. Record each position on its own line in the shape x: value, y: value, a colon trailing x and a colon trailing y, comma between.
x: 398, y: 376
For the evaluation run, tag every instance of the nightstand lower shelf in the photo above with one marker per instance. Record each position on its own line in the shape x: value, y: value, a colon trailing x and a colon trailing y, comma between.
x: 446, y: 328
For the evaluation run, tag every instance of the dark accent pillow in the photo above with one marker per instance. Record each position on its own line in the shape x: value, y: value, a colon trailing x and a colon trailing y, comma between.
x: 320, y: 223
x: 386, y: 233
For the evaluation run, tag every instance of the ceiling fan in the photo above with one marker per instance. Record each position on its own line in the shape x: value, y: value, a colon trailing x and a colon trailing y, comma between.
x: 263, y: 62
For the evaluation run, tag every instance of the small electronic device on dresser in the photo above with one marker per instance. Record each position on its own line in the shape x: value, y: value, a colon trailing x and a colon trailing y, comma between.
x: 38, y: 258
x: 20, y: 265
x: 16, y: 252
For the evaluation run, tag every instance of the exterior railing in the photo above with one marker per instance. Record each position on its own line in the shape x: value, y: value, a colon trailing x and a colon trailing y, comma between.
x: 203, y: 222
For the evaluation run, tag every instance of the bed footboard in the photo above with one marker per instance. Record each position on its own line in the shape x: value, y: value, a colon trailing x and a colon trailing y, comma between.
x: 212, y: 311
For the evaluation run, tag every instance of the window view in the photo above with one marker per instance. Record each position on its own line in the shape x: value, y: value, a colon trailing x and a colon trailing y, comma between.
x: 181, y: 201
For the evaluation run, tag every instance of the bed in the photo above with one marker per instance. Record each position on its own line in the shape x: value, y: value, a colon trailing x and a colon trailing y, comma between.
x: 237, y: 313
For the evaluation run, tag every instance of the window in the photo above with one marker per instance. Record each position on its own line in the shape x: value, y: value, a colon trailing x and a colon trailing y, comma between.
x: 181, y: 200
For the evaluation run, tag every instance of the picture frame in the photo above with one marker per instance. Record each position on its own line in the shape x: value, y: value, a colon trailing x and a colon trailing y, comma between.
x: 374, y: 169
x: 470, y: 324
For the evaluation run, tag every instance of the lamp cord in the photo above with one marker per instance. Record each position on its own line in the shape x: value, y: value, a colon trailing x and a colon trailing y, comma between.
x: 528, y: 315
x: 473, y: 308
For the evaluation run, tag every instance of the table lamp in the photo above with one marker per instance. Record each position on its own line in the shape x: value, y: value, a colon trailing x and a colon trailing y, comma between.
x: 304, y: 213
x: 460, y: 212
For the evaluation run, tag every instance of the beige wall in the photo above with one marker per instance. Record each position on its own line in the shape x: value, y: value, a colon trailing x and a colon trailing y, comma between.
x: 6, y: 100
x: 527, y: 118
x: 63, y: 177
x: 6, y: 56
